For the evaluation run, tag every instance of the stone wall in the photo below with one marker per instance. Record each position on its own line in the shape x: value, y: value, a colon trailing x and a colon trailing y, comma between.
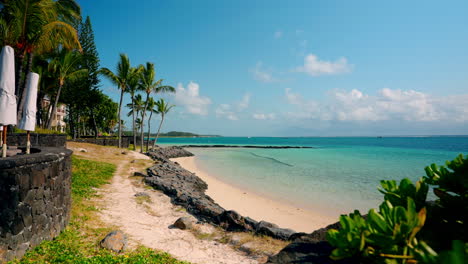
x: 35, y: 199
x: 105, y: 141
x: 38, y: 140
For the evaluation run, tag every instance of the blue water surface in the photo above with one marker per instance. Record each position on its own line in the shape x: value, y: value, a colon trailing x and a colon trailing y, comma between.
x: 338, y: 175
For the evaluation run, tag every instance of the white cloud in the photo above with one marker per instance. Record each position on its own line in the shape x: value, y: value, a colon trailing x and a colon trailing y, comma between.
x: 386, y: 105
x: 262, y: 75
x: 224, y: 110
x: 278, y: 34
x: 244, y: 103
x: 316, y: 67
x: 260, y: 116
x: 231, y: 111
x: 191, y: 99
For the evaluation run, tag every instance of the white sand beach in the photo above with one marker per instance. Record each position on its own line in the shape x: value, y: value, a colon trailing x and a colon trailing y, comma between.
x: 255, y: 206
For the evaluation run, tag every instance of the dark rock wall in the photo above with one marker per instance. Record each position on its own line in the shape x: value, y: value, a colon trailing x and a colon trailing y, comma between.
x: 105, y: 141
x: 38, y: 140
x: 35, y: 199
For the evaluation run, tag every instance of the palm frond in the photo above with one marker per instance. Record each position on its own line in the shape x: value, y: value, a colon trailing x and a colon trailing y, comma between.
x: 56, y: 33
x: 110, y: 76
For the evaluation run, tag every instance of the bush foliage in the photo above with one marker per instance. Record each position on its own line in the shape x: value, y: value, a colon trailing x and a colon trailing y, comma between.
x: 407, y: 228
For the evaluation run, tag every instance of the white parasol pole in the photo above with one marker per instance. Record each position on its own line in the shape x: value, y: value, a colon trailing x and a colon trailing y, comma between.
x: 1, y: 136
x: 28, y: 121
x: 7, y: 92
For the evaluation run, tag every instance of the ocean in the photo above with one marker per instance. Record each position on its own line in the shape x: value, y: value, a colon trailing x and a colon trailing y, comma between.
x: 336, y: 176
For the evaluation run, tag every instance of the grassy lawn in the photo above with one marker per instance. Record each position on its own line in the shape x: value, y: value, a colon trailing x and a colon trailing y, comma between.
x: 79, y: 243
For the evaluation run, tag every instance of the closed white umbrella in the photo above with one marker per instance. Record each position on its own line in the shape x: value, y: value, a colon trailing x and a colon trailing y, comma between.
x: 28, y: 122
x: 7, y: 92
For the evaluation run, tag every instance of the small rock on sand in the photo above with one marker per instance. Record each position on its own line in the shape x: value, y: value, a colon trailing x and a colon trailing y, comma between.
x: 248, y: 247
x: 115, y: 241
x: 142, y: 194
x: 184, y: 223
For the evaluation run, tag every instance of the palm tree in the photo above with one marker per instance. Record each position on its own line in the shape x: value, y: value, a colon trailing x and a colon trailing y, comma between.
x: 64, y: 67
x: 133, y: 85
x: 35, y: 27
x: 151, y: 108
x: 138, y: 123
x: 149, y: 85
x: 163, y: 109
x: 135, y: 106
x: 124, y: 74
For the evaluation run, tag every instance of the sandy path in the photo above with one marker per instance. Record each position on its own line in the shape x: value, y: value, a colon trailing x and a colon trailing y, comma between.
x: 255, y: 206
x: 148, y: 223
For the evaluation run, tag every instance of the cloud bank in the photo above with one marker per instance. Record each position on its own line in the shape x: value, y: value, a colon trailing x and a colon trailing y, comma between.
x: 315, y: 67
x: 386, y: 105
x: 191, y: 99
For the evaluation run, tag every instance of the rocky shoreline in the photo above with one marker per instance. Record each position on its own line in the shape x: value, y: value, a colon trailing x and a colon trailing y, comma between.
x: 187, y: 190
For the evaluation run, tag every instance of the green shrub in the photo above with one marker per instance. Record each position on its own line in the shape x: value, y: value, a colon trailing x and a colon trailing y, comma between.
x: 407, y: 228
x: 38, y: 130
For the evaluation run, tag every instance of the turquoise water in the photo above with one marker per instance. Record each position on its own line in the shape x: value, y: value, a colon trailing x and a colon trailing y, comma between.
x: 335, y: 177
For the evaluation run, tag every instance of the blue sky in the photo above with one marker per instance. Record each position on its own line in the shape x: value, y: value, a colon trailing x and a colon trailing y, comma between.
x: 297, y: 68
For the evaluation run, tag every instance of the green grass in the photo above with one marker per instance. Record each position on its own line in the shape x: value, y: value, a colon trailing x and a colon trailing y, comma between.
x: 38, y: 130
x: 79, y: 242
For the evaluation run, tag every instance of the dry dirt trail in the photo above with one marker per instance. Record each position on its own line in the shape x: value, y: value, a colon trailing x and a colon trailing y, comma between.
x: 147, y: 219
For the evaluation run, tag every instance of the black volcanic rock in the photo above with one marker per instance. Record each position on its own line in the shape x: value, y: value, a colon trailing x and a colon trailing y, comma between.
x: 187, y: 190
x: 168, y: 153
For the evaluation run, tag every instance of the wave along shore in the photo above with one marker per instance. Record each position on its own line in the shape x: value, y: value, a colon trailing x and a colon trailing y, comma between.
x: 255, y: 206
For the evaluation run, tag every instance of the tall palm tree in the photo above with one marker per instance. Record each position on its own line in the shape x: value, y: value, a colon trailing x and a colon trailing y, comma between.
x: 133, y: 86
x: 151, y: 104
x: 163, y: 109
x: 135, y: 106
x: 120, y: 79
x: 34, y: 27
x: 150, y: 85
x: 64, y: 67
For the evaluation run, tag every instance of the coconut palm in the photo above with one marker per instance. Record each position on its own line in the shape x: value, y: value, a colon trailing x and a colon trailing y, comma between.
x: 64, y: 68
x: 150, y: 85
x: 151, y: 104
x: 163, y: 108
x: 34, y: 27
x: 120, y: 79
x: 135, y: 106
x: 138, y: 123
x: 133, y: 85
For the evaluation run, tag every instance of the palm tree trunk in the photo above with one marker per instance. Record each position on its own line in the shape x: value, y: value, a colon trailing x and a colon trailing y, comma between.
x: 142, y: 122
x: 120, y: 122
x: 54, y: 109
x: 149, y: 131
x: 159, y: 129
x: 93, y: 116
x: 133, y: 127
x: 19, y: 71
x: 23, y: 91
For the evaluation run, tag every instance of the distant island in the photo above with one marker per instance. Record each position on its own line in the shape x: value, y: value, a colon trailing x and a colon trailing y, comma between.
x: 173, y: 134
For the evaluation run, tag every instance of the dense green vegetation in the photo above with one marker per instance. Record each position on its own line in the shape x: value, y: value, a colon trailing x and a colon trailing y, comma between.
x: 51, y: 38
x: 79, y: 242
x: 407, y: 228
